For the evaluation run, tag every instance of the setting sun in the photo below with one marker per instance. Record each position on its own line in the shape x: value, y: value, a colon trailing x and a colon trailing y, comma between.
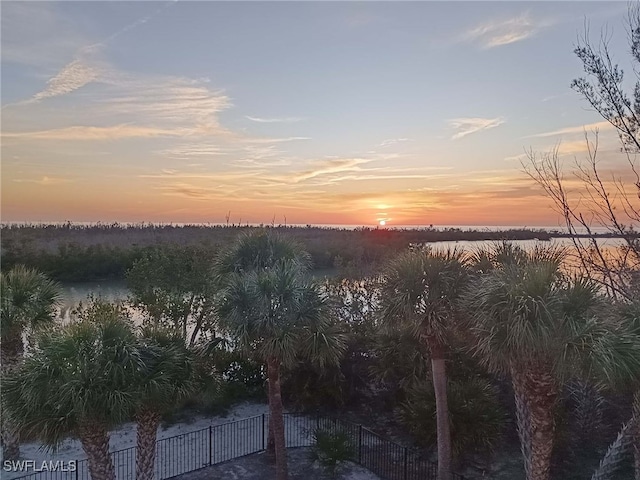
x: 383, y: 223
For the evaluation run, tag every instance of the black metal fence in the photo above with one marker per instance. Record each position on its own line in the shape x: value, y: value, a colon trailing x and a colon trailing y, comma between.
x: 220, y: 443
x: 386, y: 458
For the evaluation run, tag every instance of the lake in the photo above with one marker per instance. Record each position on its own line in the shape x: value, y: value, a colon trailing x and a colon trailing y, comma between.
x: 73, y: 293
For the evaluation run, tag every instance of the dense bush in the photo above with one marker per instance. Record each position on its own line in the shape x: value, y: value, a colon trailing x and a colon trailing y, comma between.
x: 477, y: 418
x: 331, y: 447
x: 306, y: 387
x: 225, y: 379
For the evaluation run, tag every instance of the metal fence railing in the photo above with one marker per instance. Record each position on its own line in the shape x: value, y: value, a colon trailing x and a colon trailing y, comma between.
x: 220, y: 443
x: 386, y: 458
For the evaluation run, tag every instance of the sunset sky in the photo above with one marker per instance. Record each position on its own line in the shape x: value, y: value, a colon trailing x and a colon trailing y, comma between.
x: 320, y: 112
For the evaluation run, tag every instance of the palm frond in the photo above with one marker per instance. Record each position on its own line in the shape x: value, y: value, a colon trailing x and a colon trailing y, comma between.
x: 28, y: 299
x: 420, y: 289
x: 84, y: 371
x: 260, y: 249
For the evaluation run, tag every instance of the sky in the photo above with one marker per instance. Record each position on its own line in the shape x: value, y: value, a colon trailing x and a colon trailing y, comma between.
x: 411, y: 113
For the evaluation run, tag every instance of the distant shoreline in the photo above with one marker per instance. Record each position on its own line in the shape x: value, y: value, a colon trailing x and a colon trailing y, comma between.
x: 87, y: 252
x: 547, y: 231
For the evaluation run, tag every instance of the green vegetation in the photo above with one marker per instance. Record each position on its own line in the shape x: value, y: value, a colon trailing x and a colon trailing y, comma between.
x: 501, y: 332
x: 77, y: 253
x: 477, y: 419
x: 331, y: 447
x: 541, y: 328
x: 79, y: 380
x: 28, y: 301
x: 175, y: 286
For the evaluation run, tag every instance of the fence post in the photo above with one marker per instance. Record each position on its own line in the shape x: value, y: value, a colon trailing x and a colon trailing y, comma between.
x: 264, y: 447
x: 77, y: 469
x: 210, y: 446
x: 406, y: 466
x: 360, y: 444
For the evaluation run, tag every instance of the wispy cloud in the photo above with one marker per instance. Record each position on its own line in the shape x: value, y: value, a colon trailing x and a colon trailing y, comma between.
x: 393, y: 141
x: 134, y: 106
x: 276, y: 140
x: 96, y: 133
x: 516, y: 158
x: 171, y: 100
x: 44, y: 181
x: 82, y: 70
x: 329, y: 166
x: 73, y: 76
x: 467, y: 126
x: 604, y: 125
x: 571, y: 148
x: 503, y: 32
x: 274, y: 120
x: 194, y: 150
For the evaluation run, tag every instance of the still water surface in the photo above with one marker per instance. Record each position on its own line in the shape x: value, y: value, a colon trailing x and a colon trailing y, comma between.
x: 73, y: 293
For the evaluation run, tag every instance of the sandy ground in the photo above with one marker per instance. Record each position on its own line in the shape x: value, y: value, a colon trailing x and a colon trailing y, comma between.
x: 257, y: 467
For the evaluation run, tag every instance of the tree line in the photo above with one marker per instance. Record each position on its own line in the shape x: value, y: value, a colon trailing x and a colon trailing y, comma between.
x: 76, y: 253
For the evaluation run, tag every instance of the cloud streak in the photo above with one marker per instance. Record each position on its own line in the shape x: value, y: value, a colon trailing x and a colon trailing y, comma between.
x: 604, y: 125
x: 328, y: 167
x: 80, y: 72
x: 274, y: 120
x: 504, y: 32
x: 468, y: 126
x: 44, y: 181
x: 88, y: 133
x: 393, y: 141
x: 73, y: 76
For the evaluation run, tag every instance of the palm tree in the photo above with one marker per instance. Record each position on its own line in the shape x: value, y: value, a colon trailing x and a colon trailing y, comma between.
x: 166, y: 378
x: 258, y: 250
x: 278, y: 315
x: 541, y: 327
x: 78, y: 380
x: 419, y: 290
x: 629, y: 436
x: 28, y: 300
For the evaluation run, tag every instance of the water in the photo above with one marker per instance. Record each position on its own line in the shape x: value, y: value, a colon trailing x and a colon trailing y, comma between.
x: 73, y: 293
x: 112, y: 291
x: 470, y: 245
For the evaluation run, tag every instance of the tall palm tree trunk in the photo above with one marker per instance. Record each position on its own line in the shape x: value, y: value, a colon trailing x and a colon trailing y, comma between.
x: 277, y: 419
x: 10, y: 440
x: 523, y: 418
x: 95, y: 443
x: 540, y: 392
x: 636, y: 433
x: 11, y: 353
x: 271, y: 441
x: 147, y: 430
x: 438, y: 368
